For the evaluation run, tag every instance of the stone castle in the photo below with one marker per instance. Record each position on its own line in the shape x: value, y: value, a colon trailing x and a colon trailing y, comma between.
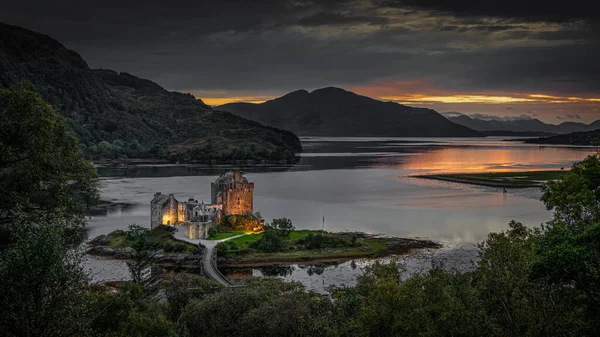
x: 231, y: 194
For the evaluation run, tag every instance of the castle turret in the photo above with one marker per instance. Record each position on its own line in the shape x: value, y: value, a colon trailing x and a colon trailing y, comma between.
x: 234, y: 191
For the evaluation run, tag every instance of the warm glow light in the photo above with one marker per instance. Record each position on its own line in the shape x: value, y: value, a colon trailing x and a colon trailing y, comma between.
x: 433, y: 96
x: 166, y: 219
x: 457, y: 99
x: 216, y: 101
x: 485, y: 99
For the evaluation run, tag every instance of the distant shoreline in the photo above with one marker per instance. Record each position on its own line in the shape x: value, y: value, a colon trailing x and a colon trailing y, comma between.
x: 524, y: 179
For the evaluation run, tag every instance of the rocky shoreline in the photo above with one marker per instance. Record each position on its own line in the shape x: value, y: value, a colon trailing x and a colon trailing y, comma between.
x: 99, y: 247
x: 395, y: 246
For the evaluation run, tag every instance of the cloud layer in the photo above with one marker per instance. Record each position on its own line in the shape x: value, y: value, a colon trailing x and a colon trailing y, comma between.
x: 430, y: 51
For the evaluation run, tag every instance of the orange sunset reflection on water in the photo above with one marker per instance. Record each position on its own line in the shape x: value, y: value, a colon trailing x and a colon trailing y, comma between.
x: 474, y: 159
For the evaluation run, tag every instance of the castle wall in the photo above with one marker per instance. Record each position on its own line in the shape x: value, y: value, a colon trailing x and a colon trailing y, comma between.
x: 197, y: 230
x: 182, y: 212
x: 238, y: 199
x: 170, y: 211
x: 155, y: 215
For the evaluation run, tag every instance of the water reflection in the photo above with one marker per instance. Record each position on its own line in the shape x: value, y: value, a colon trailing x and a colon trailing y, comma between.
x: 364, y: 188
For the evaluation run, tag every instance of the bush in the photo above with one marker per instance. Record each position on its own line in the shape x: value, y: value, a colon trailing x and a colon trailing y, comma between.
x: 168, y: 247
x: 282, y: 227
x: 212, y: 231
x: 270, y: 243
x: 318, y: 241
x: 179, y: 247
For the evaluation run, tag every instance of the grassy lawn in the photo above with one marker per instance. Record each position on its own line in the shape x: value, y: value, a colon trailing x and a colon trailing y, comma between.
x: 224, y: 234
x: 295, y: 249
x: 243, y: 242
x: 160, y: 237
x: 503, y: 179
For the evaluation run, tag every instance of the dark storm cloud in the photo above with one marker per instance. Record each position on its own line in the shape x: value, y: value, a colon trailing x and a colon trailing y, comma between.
x: 278, y: 46
x: 542, y: 10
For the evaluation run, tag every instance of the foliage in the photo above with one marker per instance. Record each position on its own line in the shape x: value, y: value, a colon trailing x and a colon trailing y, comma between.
x: 517, y: 304
x: 43, y: 176
x: 433, y: 304
x: 262, y: 308
x: 270, y: 242
x: 142, y: 257
x: 282, y: 227
x: 212, y: 231
x: 127, y: 312
x: 575, y: 199
x: 42, y: 284
x: 320, y: 240
x: 181, y: 288
x: 158, y: 238
x: 242, y: 222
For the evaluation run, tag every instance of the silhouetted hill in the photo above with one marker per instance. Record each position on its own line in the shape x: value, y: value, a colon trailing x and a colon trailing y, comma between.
x: 522, y: 125
x: 115, y: 114
x: 337, y: 112
x: 504, y: 133
x: 575, y: 138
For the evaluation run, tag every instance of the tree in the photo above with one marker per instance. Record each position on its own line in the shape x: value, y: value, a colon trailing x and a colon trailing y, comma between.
x: 270, y: 242
x: 282, y: 226
x: 43, y: 176
x: 572, y: 260
x: 181, y: 288
x: 42, y: 285
x: 516, y: 303
x: 575, y: 198
x: 142, y: 257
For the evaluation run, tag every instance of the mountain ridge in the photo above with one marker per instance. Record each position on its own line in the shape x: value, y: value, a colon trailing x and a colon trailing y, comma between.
x: 333, y: 111
x: 522, y: 125
x: 116, y: 114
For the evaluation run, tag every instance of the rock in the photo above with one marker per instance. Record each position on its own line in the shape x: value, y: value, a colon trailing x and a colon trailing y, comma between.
x: 100, y: 240
x: 158, y: 254
x: 367, y: 248
x: 101, y: 251
x: 181, y: 258
x: 127, y: 250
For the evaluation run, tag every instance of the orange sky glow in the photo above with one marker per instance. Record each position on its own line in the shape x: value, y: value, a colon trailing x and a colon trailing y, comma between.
x: 549, y: 107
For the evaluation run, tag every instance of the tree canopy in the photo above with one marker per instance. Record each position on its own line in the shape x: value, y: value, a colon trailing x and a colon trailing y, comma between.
x: 43, y: 176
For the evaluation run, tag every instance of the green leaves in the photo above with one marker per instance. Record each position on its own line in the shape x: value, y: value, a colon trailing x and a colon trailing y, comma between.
x: 575, y: 199
x: 42, y: 285
x: 43, y: 176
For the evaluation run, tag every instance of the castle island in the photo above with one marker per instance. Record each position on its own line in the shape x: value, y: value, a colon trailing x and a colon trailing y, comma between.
x: 231, y: 194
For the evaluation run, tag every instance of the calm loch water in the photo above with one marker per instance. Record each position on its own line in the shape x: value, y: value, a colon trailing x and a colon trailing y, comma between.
x: 365, y: 184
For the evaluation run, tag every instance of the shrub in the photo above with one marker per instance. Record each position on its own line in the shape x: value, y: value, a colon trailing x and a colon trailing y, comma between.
x: 212, y: 231
x: 178, y: 247
x: 270, y: 243
x: 168, y: 247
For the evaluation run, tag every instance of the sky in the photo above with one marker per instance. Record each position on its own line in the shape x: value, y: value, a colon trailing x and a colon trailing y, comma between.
x: 494, y: 59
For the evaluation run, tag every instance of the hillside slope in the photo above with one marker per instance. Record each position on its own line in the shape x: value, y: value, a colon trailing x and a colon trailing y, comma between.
x: 575, y: 138
x: 337, y: 112
x: 115, y: 114
x: 522, y: 125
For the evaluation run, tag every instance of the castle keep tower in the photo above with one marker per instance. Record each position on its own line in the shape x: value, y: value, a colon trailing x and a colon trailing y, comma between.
x: 234, y: 191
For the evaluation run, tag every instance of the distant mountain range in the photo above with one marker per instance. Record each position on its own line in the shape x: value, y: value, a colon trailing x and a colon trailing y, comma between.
x: 336, y: 112
x: 121, y: 113
x: 574, y: 138
x: 522, y: 125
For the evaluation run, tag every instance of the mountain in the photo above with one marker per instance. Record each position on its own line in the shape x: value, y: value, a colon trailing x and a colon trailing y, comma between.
x: 574, y: 138
x: 117, y: 113
x: 337, y: 112
x: 522, y: 125
x: 503, y: 133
